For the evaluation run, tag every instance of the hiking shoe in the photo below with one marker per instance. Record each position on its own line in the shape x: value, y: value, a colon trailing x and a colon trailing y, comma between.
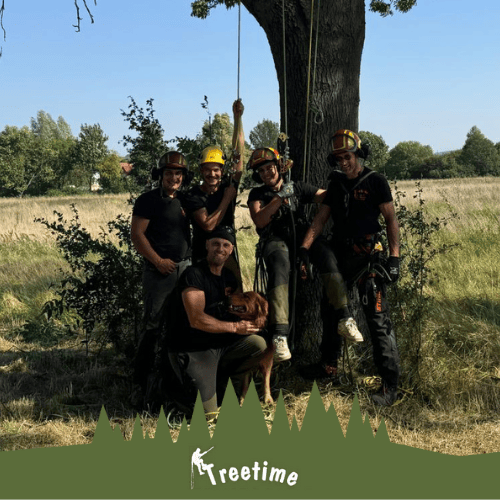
x: 387, y: 396
x: 282, y: 352
x: 349, y: 330
x: 318, y: 371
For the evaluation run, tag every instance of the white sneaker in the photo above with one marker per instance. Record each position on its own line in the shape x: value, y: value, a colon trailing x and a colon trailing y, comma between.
x: 349, y: 330
x: 282, y: 352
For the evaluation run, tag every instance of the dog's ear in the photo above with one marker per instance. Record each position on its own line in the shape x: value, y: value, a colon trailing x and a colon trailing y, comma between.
x: 263, y: 309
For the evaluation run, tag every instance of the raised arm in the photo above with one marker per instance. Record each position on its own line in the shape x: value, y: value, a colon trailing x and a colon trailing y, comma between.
x: 238, y: 138
x: 208, y: 222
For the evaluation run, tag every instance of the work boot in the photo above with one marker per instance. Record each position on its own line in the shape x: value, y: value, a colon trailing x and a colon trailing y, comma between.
x: 349, y: 330
x: 387, y: 396
x: 282, y: 352
x: 318, y: 371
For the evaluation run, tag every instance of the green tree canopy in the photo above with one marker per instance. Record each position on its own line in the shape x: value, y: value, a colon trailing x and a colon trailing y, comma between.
x: 405, y: 159
x: 89, y: 152
x: 479, y: 154
x: 264, y: 134
x: 110, y: 174
x: 380, y: 150
x: 30, y: 163
x: 45, y: 128
x: 147, y: 145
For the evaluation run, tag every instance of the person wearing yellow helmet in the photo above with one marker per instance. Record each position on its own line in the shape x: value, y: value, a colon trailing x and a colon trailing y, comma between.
x: 211, y: 204
x: 355, y: 198
x: 160, y: 233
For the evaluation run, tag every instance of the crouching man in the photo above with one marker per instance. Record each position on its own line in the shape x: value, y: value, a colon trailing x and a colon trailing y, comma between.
x: 212, y: 346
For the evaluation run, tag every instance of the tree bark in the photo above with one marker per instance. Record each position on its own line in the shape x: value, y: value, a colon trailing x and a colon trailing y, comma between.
x: 341, y: 34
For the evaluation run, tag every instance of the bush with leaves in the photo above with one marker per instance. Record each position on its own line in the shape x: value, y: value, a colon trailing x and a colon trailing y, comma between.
x: 148, y: 145
x: 408, y: 298
x: 104, y: 288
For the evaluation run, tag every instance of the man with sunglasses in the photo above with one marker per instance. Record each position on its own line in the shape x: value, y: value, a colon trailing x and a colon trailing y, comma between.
x: 278, y: 210
x: 160, y: 233
x: 355, y: 198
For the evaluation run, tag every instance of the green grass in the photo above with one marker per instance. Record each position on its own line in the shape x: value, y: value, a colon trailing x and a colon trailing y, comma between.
x: 460, y: 373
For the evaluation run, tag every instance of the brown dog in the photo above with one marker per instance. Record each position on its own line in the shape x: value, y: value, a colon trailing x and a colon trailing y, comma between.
x: 252, y: 306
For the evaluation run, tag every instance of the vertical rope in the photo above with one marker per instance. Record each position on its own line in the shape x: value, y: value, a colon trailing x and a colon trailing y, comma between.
x: 239, y: 45
x: 308, y: 92
x: 284, y: 68
x: 313, y: 90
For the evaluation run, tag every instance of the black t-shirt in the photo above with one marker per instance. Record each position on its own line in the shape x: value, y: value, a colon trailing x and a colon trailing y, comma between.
x: 197, y: 199
x: 216, y: 288
x: 355, y: 203
x: 168, y: 229
x: 303, y: 193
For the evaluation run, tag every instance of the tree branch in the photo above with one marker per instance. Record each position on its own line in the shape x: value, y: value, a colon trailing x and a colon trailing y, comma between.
x: 78, y: 18
x: 2, y: 8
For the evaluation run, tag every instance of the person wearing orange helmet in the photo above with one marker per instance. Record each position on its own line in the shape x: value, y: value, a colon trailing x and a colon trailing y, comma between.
x: 278, y: 210
x: 355, y: 198
x: 160, y: 233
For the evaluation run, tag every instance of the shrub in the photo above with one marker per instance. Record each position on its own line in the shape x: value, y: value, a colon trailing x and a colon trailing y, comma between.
x: 408, y: 298
x: 104, y: 288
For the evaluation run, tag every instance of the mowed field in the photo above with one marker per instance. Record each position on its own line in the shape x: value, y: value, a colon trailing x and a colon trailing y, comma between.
x: 51, y: 394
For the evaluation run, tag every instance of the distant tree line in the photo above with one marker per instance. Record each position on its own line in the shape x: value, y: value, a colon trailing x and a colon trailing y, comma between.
x: 46, y: 159
x: 412, y: 160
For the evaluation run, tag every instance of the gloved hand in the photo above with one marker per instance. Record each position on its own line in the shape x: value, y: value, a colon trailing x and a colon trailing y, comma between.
x: 305, y: 267
x: 392, y: 268
x: 286, y: 190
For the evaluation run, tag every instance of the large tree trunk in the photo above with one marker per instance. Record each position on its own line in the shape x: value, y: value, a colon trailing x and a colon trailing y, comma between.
x: 341, y: 37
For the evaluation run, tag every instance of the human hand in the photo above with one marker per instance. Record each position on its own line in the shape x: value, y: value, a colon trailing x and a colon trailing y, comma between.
x: 238, y: 108
x: 392, y: 268
x: 304, y: 263
x: 166, y: 266
x: 286, y: 190
x: 245, y: 327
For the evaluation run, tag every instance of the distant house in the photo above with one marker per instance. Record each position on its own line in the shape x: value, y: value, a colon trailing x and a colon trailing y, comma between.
x: 126, y: 168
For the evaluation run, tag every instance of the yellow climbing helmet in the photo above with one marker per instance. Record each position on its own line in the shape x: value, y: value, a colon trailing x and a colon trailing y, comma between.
x: 212, y: 154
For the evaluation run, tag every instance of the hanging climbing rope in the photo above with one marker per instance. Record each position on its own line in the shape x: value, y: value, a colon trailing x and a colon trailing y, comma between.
x: 311, y: 68
x: 239, y: 46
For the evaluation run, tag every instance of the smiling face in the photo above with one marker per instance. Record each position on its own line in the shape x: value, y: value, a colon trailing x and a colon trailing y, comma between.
x: 218, y: 251
x: 349, y: 164
x: 211, y: 173
x: 171, y: 180
x: 269, y: 173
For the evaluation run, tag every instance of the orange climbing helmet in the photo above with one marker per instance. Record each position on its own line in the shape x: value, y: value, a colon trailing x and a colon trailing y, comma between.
x: 345, y: 141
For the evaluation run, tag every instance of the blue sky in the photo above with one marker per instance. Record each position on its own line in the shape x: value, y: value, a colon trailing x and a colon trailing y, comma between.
x: 428, y: 75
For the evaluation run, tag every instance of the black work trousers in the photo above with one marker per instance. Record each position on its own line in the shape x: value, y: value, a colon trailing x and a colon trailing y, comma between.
x: 208, y: 371
x: 372, y: 293
x: 276, y: 254
x: 157, y: 291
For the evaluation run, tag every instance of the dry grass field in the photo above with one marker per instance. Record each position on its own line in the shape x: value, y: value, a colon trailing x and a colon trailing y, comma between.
x: 51, y: 395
